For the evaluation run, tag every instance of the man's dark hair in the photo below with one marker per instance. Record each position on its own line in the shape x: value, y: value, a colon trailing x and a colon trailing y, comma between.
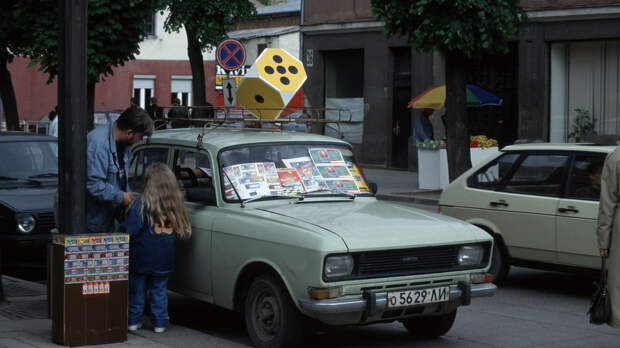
x: 594, y: 166
x: 136, y: 119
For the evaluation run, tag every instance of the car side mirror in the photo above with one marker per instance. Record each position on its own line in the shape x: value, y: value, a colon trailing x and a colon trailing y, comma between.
x: 373, y: 187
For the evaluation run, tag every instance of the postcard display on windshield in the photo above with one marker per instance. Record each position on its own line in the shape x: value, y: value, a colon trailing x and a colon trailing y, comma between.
x: 323, y: 169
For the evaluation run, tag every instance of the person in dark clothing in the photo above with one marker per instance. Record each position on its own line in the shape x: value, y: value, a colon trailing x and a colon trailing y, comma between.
x: 422, y: 126
x: 152, y: 223
x: 157, y: 114
x: 178, y: 115
x: 593, y: 190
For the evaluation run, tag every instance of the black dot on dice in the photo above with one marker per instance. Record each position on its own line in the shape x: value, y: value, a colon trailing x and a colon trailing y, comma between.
x: 281, y: 69
x: 277, y: 59
x: 259, y: 98
x: 269, y: 70
x: 284, y: 80
x: 292, y: 69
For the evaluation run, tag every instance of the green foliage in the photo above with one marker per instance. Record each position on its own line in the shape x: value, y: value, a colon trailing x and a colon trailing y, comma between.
x: 583, y: 125
x: 207, y: 20
x: 469, y: 27
x: 115, y: 30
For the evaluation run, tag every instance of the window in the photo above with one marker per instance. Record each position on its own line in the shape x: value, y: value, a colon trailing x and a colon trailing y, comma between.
x: 193, y: 170
x: 585, y: 181
x: 584, y: 75
x: 141, y: 160
x: 491, y: 175
x: 538, y: 174
x: 260, y: 48
x: 23, y: 159
x: 150, y: 26
x: 143, y: 89
x: 181, y: 87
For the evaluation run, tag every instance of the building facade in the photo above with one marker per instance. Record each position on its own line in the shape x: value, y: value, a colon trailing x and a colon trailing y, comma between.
x: 569, y: 55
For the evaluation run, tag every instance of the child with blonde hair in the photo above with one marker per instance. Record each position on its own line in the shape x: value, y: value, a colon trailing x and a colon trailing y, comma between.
x: 152, y: 222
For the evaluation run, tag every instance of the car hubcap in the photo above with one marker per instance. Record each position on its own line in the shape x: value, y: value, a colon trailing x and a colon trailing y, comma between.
x: 266, y: 315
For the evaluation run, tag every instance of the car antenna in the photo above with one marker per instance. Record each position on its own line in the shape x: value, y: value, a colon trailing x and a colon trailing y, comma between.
x: 234, y: 188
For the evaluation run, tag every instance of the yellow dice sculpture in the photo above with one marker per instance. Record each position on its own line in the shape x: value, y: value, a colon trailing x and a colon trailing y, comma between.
x: 271, y: 83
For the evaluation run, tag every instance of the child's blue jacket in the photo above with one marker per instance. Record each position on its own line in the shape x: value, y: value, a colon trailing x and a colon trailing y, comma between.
x: 149, y: 253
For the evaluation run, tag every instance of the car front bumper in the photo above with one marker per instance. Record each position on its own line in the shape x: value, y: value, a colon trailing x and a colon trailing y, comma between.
x: 372, y: 307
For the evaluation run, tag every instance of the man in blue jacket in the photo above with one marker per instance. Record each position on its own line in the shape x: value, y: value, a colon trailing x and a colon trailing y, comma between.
x: 107, y: 166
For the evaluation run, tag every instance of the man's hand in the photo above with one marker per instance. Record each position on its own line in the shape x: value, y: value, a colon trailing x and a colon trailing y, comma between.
x: 604, y: 252
x: 127, y: 199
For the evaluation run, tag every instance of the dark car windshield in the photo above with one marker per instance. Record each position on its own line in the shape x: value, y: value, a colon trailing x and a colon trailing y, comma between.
x: 281, y: 170
x: 27, y: 159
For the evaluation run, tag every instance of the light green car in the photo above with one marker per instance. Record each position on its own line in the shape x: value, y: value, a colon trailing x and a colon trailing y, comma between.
x: 285, y: 230
x: 539, y: 201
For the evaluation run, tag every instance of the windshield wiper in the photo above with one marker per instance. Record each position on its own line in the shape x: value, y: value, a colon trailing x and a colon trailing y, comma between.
x: 266, y: 198
x: 17, y: 179
x: 44, y: 175
x: 8, y: 178
x: 333, y: 192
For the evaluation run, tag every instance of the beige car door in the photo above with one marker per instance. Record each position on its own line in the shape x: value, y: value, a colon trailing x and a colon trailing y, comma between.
x: 577, y: 213
x: 525, y: 205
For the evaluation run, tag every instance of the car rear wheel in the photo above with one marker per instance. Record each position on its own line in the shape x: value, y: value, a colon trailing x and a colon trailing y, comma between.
x: 270, y: 316
x: 499, y: 265
x: 430, y: 326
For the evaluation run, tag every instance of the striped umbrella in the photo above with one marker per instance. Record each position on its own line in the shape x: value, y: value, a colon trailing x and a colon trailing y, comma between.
x: 435, y: 97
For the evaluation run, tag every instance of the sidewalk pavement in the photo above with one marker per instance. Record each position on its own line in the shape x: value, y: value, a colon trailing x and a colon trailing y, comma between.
x: 401, y: 186
x: 24, y: 323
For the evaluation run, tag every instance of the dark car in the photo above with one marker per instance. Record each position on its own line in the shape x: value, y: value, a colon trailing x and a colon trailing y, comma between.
x: 28, y: 182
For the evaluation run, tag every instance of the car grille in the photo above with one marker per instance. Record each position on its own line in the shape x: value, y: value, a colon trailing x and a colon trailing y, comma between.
x: 408, y: 260
x: 46, y: 222
x: 403, y: 262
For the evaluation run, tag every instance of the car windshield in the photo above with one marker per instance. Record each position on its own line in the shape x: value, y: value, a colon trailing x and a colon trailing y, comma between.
x: 288, y: 170
x: 29, y: 159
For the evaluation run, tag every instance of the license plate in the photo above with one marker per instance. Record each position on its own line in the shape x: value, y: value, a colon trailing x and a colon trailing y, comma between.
x: 419, y: 296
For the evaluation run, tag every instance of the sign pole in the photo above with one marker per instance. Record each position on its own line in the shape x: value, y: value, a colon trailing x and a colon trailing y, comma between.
x: 230, y: 55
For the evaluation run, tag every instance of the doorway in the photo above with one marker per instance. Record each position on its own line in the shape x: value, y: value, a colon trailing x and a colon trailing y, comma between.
x: 401, y: 115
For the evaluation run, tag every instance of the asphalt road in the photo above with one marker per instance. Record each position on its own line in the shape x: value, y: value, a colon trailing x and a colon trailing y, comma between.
x: 532, y: 309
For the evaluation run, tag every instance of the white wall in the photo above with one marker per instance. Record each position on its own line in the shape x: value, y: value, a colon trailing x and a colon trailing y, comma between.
x: 167, y: 46
x: 289, y: 42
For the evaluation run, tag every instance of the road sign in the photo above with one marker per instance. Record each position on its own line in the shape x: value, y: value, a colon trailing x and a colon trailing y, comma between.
x: 229, y: 87
x: 230, y: 54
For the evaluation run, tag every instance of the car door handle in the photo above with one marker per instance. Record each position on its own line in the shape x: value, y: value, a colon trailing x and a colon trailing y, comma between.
x: 569, y: 209
x: 501, y: 203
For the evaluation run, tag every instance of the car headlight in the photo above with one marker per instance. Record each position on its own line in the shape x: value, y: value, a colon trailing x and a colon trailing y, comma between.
x: 470, y: 255
x: 338, y: 266
x: 25, y: 222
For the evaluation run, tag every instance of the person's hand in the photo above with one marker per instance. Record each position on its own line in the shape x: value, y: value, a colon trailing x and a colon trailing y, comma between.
x: 604, y: 252
x: 127, y: 199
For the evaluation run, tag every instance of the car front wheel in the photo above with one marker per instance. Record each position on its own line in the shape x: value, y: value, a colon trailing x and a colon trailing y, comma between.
x: 430, y: 326
x: 271, y: 317
x: 499, y: 265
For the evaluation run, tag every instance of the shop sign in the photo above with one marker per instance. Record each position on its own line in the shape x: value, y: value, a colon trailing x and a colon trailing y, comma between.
x: 237, y: 75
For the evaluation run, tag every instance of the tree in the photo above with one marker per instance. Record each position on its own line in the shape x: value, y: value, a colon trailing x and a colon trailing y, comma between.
x: 11, y: 38
x: 463, y: 30
x: 206, y: 24
x: 115, y: 30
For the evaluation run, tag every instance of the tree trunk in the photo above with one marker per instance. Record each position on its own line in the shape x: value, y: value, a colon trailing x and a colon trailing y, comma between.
x: 194, y: 52
x: 6, y: 91
x: 90, y: 108
x: 459, y: 159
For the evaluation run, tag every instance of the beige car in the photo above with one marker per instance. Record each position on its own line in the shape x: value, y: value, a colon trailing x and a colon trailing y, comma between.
x: 538, y: 201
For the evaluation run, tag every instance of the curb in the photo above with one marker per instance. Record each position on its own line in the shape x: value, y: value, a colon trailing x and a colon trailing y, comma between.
x: 407, y: 199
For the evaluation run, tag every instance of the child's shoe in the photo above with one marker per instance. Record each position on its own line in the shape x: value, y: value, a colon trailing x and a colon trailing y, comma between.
x: 159, y: 329
x: 134, y: 327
